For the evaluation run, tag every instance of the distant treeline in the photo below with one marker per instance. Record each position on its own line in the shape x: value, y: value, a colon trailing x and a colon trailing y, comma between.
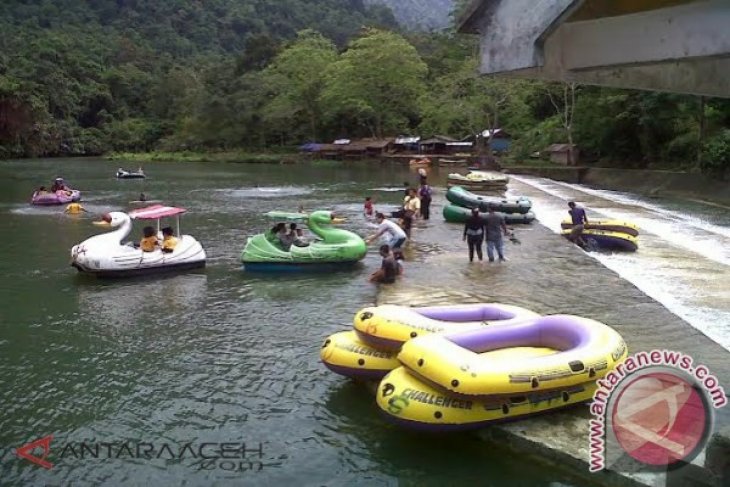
x: 88, y: 77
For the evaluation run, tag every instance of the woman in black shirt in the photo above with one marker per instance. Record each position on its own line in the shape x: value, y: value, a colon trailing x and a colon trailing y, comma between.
x: 474, y: 234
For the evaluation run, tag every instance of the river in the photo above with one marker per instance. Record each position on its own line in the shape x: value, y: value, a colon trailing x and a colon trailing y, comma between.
x: 221, y: 355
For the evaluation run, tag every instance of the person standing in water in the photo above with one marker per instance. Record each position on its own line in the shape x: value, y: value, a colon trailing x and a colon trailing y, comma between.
x: 397, y: 235
x: 368, y: 207
x: 424, y: 192
x: 579, y: 219
x: 495, y: 225
x: 474, y: 234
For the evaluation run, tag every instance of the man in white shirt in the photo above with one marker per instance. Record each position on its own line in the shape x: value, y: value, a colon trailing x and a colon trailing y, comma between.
x: 397, y: 237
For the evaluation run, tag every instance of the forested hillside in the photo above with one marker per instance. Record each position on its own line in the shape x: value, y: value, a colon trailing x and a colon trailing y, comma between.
x: 80, y: 77
x: 419, y: 14
x: 88, y: 77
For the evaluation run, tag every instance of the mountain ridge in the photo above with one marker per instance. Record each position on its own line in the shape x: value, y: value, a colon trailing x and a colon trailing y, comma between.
x: 421, y: 14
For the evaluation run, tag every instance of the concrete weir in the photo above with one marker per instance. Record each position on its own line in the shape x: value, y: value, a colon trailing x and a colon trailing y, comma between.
x: 549, y: 275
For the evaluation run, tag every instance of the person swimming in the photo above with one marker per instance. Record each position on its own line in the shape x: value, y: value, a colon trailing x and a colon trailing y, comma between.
x: 74, y: 209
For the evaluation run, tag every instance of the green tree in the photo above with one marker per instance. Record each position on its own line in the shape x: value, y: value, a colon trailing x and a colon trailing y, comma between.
x: 378, y: 81
x: 296, y: 79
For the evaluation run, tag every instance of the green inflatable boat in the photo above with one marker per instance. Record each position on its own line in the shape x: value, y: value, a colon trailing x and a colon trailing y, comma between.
x: 461, y: 197
x: 458, y: 214
x: 336, y: 249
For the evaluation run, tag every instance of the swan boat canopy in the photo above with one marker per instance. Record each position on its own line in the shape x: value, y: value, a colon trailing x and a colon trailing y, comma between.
x: 335, y: 249
x: 106, y: 256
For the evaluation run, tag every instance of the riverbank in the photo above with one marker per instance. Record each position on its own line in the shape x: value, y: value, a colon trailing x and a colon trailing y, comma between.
x: 193, y: 156
x: 576, y: 284
x: 653, y: 183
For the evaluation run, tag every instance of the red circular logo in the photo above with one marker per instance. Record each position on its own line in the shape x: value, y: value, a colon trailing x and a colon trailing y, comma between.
x: 660, y: 418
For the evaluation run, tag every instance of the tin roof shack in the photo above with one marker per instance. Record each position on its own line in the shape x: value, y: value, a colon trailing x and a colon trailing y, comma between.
x: 500, y: 142
x: 438, y: 144
x: 404, y: 143
x: 562, y: 154
x: 358, y: 149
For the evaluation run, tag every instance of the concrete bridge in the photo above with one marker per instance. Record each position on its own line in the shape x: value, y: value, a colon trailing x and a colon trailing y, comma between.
x: 680, y: 46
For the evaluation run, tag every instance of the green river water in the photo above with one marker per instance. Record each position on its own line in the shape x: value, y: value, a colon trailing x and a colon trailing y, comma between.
x: 217, y: 355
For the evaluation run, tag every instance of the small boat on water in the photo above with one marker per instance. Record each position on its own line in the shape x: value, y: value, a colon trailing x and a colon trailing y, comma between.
x: 459, y: 214
x: 60, y: 197
x: 124, y: 174
x: 479, y: 180
x: 606, y: 225
x: 461, y: 197
x: 469, y: 378
x: 605, y: 240
x: 106, y: 256
x: 369, y: 352
x: 337, y: 248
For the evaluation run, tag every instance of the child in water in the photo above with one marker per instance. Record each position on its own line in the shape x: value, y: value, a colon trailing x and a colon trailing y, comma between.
x: 368, y: 208
x: 149, y: 242
x: 74, y: 209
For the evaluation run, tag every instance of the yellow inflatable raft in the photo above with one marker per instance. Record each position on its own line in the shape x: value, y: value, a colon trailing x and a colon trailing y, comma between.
x: 344, y: 354
x: 412, y: 403
x: 387, y: 327
x: 585, y: 350
x: 618, y: 226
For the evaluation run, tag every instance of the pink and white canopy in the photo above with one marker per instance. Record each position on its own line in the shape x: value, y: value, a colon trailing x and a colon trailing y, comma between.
x: 155, y: 212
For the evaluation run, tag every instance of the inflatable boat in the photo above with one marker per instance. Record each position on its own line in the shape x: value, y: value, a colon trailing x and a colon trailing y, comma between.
x: 584, y: 350
x: 458, y: 214
x: 106, y: 256
x: 124, y: 174
x: 389, y: 326
x: 411, y: 403
x: 607, y: 226
x: 60, y: 197
x: 345, y: 354
x: 479, y: 180
x: 336, y: 249
x: 599, y: 239
x: 461, y: 197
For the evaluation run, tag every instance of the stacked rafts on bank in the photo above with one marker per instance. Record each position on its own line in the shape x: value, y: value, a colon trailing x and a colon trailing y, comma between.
x: 455, y: 373
x: 369, y: 351
x: 482, y: 181
x: 606, y: 234
x: 470, y: 378
x: 463, y: 201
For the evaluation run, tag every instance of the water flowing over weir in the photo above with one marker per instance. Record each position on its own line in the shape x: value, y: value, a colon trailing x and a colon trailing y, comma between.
x: 683, y: 259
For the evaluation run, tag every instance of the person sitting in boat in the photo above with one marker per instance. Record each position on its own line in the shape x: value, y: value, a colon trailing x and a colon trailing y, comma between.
x: 168, y: 240
x: 286, y: 238
x: 579, y: 219
x: 389, y: 267
x: 397, y: 235
x: 297, y: 236
x: 149, y: 241
x: 273, y: 234
x: 74, y: 209
x: 41, y: 190
x: 142, y: 197
x: 59, y: 185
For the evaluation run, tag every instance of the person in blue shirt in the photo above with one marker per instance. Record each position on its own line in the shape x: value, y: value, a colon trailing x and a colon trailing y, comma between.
x: 579, y: 219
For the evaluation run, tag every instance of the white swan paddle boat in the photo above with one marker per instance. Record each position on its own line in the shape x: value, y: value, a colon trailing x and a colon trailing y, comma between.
x: 106, y: 256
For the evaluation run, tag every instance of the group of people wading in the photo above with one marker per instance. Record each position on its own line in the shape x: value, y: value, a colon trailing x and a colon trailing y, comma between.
x: 416, y: 204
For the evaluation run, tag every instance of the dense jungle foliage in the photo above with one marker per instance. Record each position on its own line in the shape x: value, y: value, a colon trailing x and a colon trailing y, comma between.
x: 89, y: 77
